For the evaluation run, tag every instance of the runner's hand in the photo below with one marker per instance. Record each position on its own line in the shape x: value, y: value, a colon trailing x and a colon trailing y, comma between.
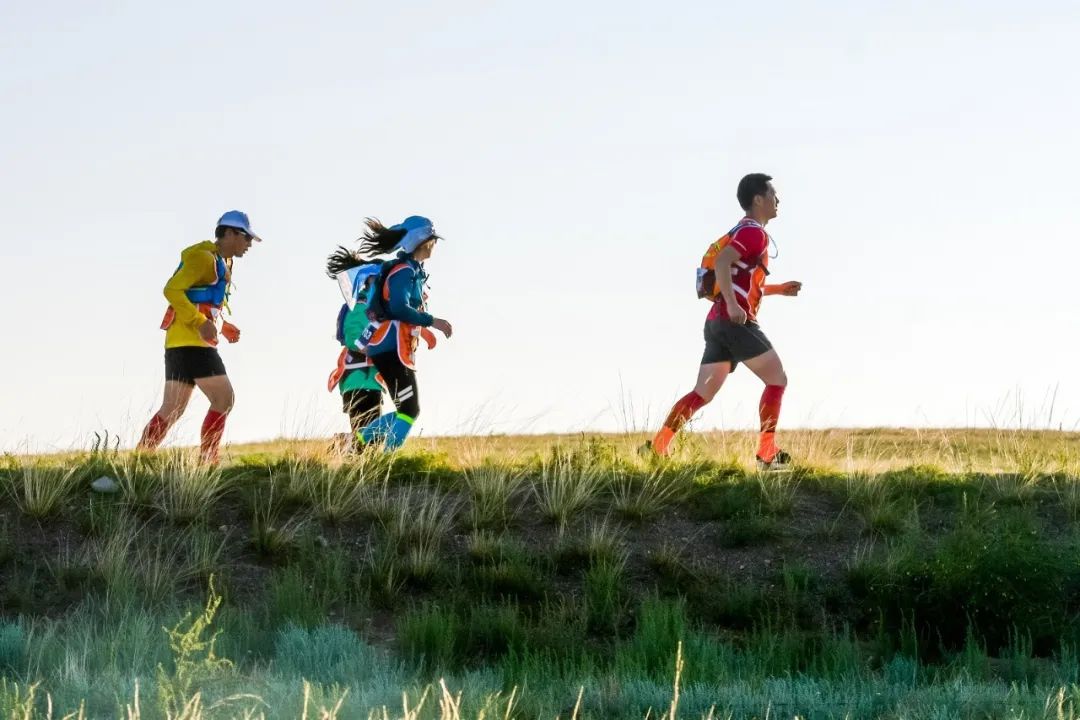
x: 230, y: 332
x: 443, y: 326
x: 790, y: 288
x: 736, y: 314
x: 208, y: 332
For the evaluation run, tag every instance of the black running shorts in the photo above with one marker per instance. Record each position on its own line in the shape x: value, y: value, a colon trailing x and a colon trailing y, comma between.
x: 188, y: 364
x: 727, y: 341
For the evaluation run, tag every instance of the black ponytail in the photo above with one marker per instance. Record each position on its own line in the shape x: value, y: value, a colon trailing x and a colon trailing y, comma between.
x: 341, y: 260
x: 378, y: 240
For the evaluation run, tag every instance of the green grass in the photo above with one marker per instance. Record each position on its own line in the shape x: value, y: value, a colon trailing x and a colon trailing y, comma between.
x: 599, y: 541
x: 644, y: 494
x: 82, y: 660
x: 39, y: 491
x: 748, y: 530
x: 605, y: 596
x: 512, y: 576
x: 995, y: 572
x: 382, y: 576
x: 337, y: 490
x: 728, y: 500
x: 492, y: 488
x: 567, y: 485
x: 188, y: 489
x: 274, y: 534
x: 885, y: 576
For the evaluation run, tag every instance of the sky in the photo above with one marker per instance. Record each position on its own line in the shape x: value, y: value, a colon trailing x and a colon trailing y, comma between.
x: 578, y: 158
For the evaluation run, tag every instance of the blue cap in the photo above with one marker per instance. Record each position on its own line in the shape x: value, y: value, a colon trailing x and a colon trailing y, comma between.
x: 417, y: 229
x: 238, y: 220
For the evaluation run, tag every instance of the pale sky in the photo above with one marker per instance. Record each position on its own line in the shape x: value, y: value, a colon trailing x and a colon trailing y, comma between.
x: 578, y: 158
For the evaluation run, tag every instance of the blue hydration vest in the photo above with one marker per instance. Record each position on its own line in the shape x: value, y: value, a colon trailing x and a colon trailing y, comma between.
x: 215, y: 294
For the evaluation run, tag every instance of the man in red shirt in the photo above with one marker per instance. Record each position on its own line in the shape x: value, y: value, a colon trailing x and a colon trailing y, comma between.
x: 732, y: 334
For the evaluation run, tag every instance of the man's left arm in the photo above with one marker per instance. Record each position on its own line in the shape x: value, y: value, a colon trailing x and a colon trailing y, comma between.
x: 790, y: 288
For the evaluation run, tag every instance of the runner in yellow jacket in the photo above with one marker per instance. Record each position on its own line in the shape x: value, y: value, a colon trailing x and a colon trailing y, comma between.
x: 198, y: 292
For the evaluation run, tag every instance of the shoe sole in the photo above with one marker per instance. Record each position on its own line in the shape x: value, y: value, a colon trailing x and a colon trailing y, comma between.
x: 647, y: 452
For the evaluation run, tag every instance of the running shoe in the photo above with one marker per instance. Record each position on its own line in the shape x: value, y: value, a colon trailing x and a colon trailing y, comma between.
x: 780, y: 461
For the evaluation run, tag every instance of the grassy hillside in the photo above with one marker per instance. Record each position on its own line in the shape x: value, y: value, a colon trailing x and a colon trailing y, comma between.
x: 892, y: 573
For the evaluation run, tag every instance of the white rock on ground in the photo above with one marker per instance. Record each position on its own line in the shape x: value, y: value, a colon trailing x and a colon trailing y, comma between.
x: 105, y: 484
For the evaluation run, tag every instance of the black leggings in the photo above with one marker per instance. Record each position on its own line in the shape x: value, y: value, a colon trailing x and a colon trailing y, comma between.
x: 362, y: 407
x: 401, y: 381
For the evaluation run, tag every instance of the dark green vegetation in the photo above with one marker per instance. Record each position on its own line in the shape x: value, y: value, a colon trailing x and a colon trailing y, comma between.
x: 573, y: 565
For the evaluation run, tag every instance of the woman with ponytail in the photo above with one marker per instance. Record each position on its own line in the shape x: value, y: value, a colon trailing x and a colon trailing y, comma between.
x: 397, y: 311
x: 355, y: 377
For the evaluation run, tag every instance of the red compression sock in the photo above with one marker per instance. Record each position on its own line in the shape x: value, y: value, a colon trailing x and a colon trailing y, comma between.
x: 153, y: 433
x: 680, y: 413
x: 212, y: 429
x: 769, y: 412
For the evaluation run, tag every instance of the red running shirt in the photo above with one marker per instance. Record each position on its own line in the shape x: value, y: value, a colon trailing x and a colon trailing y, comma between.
x: 749, y: 271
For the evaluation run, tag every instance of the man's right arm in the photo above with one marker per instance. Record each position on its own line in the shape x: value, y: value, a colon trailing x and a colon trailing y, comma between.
x: 724, y: 260
x: 197, y: 268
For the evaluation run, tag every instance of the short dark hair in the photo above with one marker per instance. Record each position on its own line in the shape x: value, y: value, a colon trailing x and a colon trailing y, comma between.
x: 220, y: 230
x: 750, y: 187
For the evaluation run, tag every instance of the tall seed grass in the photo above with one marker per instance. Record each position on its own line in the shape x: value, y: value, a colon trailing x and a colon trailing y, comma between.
x: 337, y: 491
x: 1067, y: 489
x: 40, y: 491
x: 139, y: 560
x: 566, y: 487
x: 639, y: 496
x: 492, y: 487
x: 605, y: 542
x: 416, y: 515
x: 189, y: 488
x: 382, y: 576
x: 273, y: 535
x: 777, y: 492
x: 138, y: 476
x: 203, y: 549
